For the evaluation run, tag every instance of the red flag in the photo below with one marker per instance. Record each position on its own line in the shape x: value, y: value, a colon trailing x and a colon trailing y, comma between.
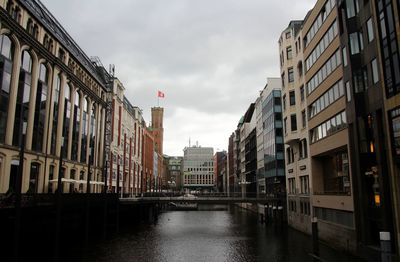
x: 161, y: 94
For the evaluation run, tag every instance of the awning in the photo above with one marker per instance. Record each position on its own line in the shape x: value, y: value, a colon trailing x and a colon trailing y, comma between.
x: 68, y: 180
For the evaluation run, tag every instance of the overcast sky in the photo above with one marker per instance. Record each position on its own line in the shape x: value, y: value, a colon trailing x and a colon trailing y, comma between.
x: 209, y: 57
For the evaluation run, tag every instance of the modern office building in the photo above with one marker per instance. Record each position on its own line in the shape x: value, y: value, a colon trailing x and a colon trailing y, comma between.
x: 385, y: 30
x: 272, y: 181
x: 363, y: 83
x: 198, y: 168
x: 329, y: 152
x: 52, y: 104
x: 297, y: 163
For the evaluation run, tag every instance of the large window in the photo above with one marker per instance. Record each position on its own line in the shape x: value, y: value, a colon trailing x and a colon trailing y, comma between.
x: 323, y: 44
x: 6, y: 63
x: 318, y: 22
x: 330, y: 65
x: 84, y: 131
x: 23, y: 95
x: 67, y: 117
x: 40, y: 109
x: 76, y: 127
x: 329, y: 97
x: 92, y: 132
x: 56, y: 102
x: 329, y: 127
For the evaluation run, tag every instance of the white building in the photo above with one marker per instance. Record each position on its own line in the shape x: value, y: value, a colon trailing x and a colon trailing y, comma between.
x: 198, y: 168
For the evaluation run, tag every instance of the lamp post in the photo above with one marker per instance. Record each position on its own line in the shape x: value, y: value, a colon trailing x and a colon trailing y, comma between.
x: 89, y: 173
x: 87, y: 202
x: 58, y: 205
x: 18, y: 189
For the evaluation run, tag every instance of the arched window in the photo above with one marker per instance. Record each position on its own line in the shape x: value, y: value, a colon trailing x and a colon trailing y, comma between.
x: 6, y: 63
x: 23, y: 95
x: 56, y: 102
x: 29, y: 26
x: 40, y: 109
x: 76, y: 127
x: 72, y: 176
x: 84, y: 130
x: 92, y: 133
x: 67, y: 117
x: 33, y: 178
x: 51, y: 178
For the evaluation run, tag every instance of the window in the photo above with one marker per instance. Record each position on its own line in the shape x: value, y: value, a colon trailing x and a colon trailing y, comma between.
x: 292, y: 185
x: 375, y: 74
x: 6, y: 53
x: 84, y: 138
x: 285, y: 124
x: 354, y: 44
x: 290, y: 74
x: 56, y: 102
x: 370, y: 30
x: 76, y: 127
x: 51, y: 177
x: 33, y: 178
x: 40, y: 109
x: 284, y: 102
x: 304, y: 185
x: 348, y: 91
x: 292, y: 98
x: 288, y: 34
x: 350, y: 8
x: 67, y: 117
x: 344, y: 54
x: 303, y: 118
x: 289, y: 52
x: 293, y: 122
x: 283, y: 80
x: 23, y: 95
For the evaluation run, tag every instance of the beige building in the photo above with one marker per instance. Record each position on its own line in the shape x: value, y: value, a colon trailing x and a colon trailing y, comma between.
x: 332, y: 198
x: 294, y: 105
x: 51, y: 87
x: 127, y: 142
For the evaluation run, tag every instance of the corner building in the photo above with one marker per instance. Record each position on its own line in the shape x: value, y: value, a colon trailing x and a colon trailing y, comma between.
x: 49, y: 85
x: 298, y: 171
x: 329, y: 154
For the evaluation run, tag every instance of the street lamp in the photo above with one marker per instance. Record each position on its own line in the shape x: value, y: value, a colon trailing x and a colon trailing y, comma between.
x: 89, y: 173
x: 18, y: 189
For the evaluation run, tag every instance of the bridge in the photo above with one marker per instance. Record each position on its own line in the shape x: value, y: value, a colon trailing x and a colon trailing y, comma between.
x: 219, y: 198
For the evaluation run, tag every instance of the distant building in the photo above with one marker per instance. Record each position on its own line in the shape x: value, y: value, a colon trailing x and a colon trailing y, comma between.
x: 174, y: 172
x: 248, y: 152
x: 198, y: 168
x: 219, y: 170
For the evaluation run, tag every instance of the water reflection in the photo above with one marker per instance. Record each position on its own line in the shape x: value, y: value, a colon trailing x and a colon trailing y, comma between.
x: 232, y: 235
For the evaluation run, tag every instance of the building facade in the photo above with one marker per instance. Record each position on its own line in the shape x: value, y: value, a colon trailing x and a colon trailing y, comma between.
x: 52, y: 104
x: 198, y: 168
x: 297, y: 163
x: 330, y: 161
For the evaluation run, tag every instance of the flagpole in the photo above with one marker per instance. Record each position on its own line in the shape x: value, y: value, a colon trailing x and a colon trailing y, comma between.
x: 158, y: 101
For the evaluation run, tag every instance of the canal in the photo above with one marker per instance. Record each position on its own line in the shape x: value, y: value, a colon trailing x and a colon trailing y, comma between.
x: 231, y: 235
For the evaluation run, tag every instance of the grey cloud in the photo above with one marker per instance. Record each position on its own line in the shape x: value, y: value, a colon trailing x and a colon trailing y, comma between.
x: 209, y: 57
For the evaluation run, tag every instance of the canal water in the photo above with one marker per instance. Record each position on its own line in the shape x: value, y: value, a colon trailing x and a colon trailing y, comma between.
x: 233, y: 235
